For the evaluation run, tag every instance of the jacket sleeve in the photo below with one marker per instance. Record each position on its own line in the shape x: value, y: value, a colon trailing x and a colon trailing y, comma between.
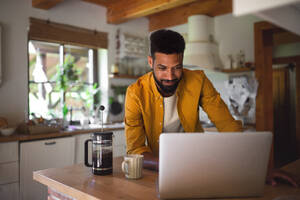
x: 134, y: 124
x: 216, y: 109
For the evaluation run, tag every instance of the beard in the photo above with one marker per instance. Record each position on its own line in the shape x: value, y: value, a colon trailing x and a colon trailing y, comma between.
x: 165, y: 88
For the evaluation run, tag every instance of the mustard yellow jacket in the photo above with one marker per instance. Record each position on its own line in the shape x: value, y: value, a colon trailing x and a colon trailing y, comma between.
x: 144, y: 111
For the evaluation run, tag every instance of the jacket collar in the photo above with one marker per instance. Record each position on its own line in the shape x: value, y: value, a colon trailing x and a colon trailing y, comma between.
x: 153, y: 87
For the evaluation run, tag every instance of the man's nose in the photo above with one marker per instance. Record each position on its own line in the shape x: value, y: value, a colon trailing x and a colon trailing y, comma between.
x: 170, y: 75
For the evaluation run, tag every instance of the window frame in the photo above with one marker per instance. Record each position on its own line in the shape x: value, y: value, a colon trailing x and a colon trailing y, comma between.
x: 61, y: 34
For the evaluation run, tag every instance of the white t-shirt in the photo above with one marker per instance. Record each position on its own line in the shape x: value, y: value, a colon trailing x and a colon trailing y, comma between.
x: 171, y: 118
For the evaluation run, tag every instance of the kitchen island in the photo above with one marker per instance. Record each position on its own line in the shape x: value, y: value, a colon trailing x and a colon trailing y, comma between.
x: 78, y: 182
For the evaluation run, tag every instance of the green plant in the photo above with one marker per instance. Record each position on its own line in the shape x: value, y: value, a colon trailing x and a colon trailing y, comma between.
x: 68, y: 83
x: 67, y: 75
x: 88, y: 95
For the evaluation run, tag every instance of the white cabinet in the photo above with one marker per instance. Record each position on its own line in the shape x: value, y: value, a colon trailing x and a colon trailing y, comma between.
x: 119, y: 143
x: 9, y: 191
x: 42, y: 154
x: 9, y: 152
x: 9, y: 170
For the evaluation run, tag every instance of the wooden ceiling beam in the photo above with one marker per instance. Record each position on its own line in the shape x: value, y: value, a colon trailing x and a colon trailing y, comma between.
x: 285, y: 38
x: 179, y: 15
x: 45, y: 4
x: 124, y: 10
x: 105, y: 3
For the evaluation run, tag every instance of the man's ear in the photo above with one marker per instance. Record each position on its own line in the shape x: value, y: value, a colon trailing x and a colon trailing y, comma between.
x: 150, y: 61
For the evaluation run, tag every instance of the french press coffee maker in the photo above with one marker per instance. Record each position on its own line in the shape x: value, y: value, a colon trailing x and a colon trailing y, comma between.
x: 102, y: 155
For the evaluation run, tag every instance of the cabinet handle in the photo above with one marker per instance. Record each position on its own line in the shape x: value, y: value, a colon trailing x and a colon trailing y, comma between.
x: 50, y: 143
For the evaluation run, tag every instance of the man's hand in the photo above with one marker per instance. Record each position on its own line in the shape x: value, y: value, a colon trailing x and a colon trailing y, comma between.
x: 276, y: 174
x: 150, y: 161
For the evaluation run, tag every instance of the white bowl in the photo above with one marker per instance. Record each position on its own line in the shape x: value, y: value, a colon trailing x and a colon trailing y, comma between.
x: 7, y: 131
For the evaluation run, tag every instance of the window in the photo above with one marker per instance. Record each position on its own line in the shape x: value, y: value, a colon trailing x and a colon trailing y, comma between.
x: 60, y: 75
x: 63, y: 70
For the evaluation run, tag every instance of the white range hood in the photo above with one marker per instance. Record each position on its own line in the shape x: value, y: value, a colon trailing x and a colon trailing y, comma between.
x: 201, y: 50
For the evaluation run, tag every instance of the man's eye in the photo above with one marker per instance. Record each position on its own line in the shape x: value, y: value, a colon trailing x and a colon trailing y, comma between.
x: 162, y: 68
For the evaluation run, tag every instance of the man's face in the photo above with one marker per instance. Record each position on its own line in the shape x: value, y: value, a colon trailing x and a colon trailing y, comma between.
x: 167, y: 71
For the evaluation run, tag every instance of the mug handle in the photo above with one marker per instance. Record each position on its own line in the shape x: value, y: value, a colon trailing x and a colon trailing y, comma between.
x: 125, y: 166
x: 86, y: 160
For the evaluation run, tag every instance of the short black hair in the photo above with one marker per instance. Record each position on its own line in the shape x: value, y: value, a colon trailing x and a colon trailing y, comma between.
x: 167, y: 42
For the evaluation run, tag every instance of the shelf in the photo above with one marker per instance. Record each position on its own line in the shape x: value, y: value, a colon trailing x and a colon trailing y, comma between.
x: 123, y: 76
x: 242, y: 69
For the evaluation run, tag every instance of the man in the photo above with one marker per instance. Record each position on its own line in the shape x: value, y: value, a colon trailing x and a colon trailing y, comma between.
x: 168, y: 99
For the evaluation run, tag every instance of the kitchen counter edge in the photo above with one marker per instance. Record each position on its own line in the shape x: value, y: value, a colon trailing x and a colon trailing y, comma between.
x: 28, y: 137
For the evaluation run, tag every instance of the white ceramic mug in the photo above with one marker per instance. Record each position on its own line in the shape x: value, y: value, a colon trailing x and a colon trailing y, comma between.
x: 132, y: 166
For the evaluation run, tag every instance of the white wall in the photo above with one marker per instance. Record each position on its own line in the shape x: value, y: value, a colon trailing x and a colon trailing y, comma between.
x: 232, y: 34
x: 14, y: 19
x: 283, y: 13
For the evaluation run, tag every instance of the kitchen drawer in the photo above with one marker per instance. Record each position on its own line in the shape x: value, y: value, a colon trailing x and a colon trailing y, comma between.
x: 9, y: 152
x: 9, y: 191
x: 9, y: 172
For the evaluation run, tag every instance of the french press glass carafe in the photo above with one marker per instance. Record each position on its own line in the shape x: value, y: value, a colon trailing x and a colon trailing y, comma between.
x: 102, y: 155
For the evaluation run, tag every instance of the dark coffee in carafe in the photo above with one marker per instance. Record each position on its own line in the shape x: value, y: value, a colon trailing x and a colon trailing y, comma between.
x: 103, y: 159
x: 102, y: 155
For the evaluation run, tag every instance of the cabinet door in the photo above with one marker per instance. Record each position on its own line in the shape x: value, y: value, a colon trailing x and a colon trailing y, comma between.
x: 9, y: 152
x: 9, y: 172
x: 119, y: 143
x: 9, y: 191
x: 79, y: 148
x: 119, y: 138
x: 42, y: 154
x: 119, y: 151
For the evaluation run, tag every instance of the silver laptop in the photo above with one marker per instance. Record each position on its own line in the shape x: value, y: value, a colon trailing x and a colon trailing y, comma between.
x: 213, y: 165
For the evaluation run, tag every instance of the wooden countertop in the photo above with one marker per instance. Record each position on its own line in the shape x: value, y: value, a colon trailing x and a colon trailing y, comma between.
x: 78, y: 182
x: 27, y: 137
